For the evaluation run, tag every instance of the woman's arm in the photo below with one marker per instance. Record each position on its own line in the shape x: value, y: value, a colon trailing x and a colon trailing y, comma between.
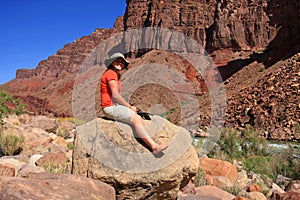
x: 113, y: 85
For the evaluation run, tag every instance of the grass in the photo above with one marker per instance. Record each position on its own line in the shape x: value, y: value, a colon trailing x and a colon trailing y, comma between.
x: 56, y: 169
x: 235, y: 190
x: 75, y: 121
x: 261, y: 69
x: 199, y: 178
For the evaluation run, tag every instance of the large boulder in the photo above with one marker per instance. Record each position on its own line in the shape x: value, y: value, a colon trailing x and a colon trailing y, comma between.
x: 46, y: 186
x: 219, y: 173
x: 109, y: 151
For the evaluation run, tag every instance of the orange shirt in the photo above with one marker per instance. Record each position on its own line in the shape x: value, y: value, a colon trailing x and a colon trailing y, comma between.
x: 106, y: 96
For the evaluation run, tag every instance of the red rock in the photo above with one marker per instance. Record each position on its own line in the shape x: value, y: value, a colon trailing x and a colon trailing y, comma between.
x: 7, y: 170
x: 253, y: 188
x: 285, y: 196
x: 215, y: 168
x: 44, y: 186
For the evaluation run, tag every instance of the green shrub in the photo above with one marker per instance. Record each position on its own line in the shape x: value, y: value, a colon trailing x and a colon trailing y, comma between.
x: 235, y: 146
x: 235, y: 190
x: 252, y: 143
x: 199, y: 178
x: 70, y: 146
x: 261, y: 69
x: 10, y: 144
x: 9, y: 105
x: 257, y: 164
x: 228, y: 146
x: 277, y: 163
x: 63, y: 132
x: 56, y: 169
x: 283, y: 163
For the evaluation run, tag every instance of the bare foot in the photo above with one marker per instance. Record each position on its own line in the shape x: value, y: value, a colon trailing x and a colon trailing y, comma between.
x: 159, y: 148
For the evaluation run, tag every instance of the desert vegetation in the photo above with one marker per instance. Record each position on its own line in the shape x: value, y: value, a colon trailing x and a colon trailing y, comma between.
x: 10, y: 144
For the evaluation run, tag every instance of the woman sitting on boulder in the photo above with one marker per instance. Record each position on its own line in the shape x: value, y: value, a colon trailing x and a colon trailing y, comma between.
x: 116, y: 107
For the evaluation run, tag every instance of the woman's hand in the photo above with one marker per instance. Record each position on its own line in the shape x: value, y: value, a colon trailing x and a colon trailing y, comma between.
x: 133, y: 108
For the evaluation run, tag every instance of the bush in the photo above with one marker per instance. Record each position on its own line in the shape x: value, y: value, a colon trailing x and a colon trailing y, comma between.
x: 199, y: 179
x: 235, y: 190
x: 257, y: 164
x: 9, y: 105
x: 228, y: 147
x: 10, y: 144
x: 56, y: 169
x: 253, y: 144
x: 283, y: 163
x: 235, y: 146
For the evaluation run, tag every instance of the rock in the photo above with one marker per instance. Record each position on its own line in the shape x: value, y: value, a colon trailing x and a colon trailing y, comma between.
x: 24, y: 73
x: 188, y: 189
x: 276, y: 188
x: 240, y: 198
x: 272, y: 108
x: 29, y: 169
x: 282, y: 181
x: 212, y: 191
x: 10, y: 166
x: 12, y: 119
x: 54, y: 162
x: 285, y: 196
x: 37, y: 146
x: 256, y: 196
x: 196, y: 197
x: 242, y: 179
x: 253, y: 188
x: 107, y: 151
x: 7, y: 170
x: 60, y: 141
x: 46, y: 186
x: 34, y: 158
x: 293, y: 186
x: 221, y: 173
x: 45, y: 123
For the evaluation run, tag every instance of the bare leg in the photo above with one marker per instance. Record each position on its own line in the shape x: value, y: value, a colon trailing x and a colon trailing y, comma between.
x: 137, y: 122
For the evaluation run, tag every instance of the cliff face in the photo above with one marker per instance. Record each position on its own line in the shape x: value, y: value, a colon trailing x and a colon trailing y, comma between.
x: 234, y: 33
x: 191, y: 17
x: 216, y: 24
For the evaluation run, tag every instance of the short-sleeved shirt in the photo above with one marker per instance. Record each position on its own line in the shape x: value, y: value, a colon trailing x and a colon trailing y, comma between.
x: 106, y: 95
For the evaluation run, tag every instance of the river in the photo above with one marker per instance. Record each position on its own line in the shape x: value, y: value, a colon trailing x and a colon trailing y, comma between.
x: 273, y: 144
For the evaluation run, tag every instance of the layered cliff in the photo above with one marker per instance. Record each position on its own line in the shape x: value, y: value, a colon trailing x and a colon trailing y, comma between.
x: 216, y: 25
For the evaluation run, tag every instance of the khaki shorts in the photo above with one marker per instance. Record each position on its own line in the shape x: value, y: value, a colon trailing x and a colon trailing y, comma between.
x: 119, y: 113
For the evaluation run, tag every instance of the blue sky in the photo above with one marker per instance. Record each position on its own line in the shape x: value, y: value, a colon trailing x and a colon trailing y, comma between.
x: 33, y: 30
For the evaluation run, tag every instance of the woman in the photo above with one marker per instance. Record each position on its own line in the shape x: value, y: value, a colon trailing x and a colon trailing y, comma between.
x: 116, y: 107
